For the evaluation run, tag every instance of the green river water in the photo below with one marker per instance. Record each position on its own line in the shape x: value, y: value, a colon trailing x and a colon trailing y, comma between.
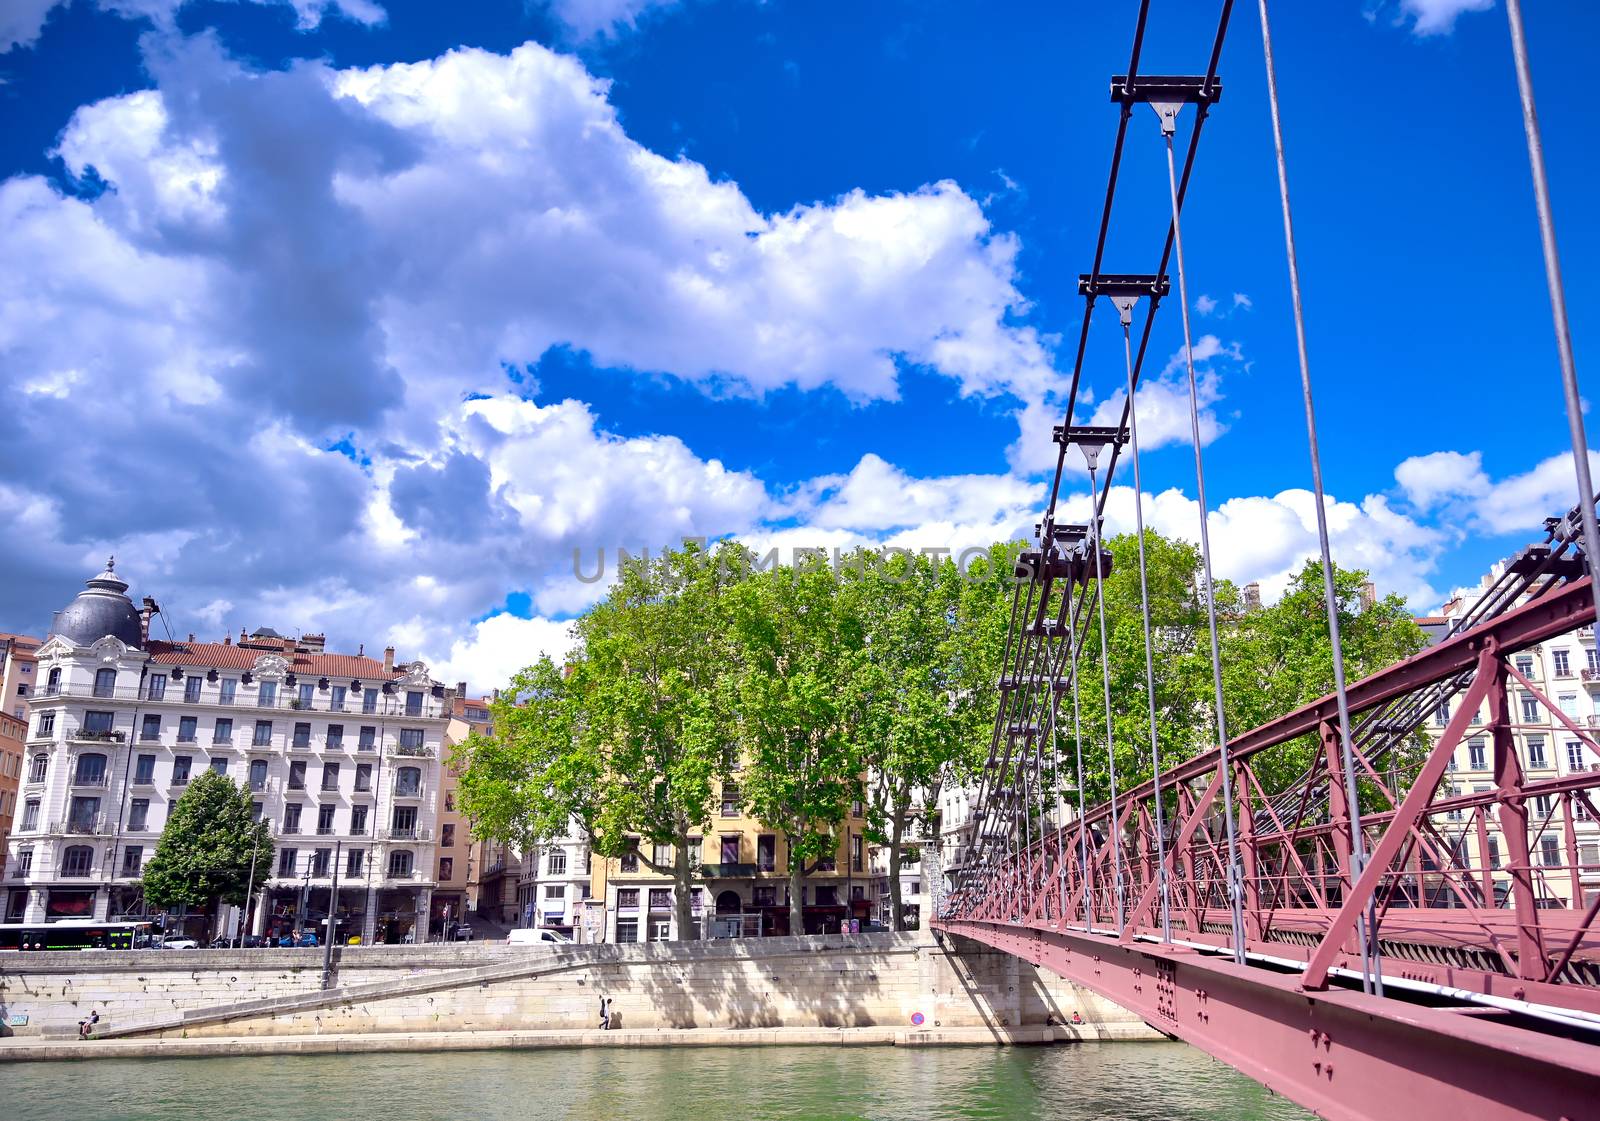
x: 1115, y: 1082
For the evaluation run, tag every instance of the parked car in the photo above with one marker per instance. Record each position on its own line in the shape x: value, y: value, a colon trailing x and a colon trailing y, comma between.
x: 179, y: 944
x: 462, y: 933
x: 534, y: 935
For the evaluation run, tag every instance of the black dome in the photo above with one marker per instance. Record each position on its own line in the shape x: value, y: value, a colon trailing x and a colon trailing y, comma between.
x: 102, y: 608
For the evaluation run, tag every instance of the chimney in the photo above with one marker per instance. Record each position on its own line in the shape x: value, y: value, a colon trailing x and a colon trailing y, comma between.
x: 461, y: 689
x: 1252, y: 596
x: 1369, y: 595
x: 191, y: 636
x: 227, y: 640
x: 388, y: 659
x: 313, y: 643
x: 146, y: 613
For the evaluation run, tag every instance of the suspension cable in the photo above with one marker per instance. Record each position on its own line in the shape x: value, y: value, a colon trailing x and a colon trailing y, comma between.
x: 1091, y: 453
x: 1168, y: 115
x: 1371, y: 976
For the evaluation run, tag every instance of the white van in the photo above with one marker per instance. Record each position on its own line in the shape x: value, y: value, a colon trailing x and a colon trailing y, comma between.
x: 533, y: 935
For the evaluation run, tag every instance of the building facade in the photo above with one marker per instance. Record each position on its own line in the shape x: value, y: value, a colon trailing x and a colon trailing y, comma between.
x: 12, y: 732
x: 553, y: 890
x: 18, y: 669
x: 341, y: 753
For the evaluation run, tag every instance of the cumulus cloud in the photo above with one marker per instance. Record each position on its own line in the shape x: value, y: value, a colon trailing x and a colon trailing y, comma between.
x: 1454, y: 486
x: 1204, y: 305
x: 590, y: 19
x: 21, y: 21
x: 1428, y: 17
x: 1163, y: 401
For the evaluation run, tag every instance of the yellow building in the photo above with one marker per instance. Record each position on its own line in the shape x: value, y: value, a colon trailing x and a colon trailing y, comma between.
x: 742, y: 879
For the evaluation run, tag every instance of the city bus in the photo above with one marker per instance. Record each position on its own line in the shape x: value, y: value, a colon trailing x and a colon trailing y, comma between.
x: 74, y: 934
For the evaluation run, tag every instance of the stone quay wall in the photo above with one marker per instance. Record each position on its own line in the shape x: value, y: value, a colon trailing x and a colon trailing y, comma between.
x: 829, y: 981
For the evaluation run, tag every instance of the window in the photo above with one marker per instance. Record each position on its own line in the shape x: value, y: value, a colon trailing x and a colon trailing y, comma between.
x: 191, y: 689
x: 1589, y: 855
x: 1549, y: 851
x: 661, y: 856
x: 353, y: 863
x: 77, y: 860
x: 144, y: 770
x: 91, y: 769
x: 302, y: 735
x: 138, y: 815
x: 729, y: 853
x: 730, y: 801
x: 1559, y: 657
x: 1475, y: 759
x: 286, y: 861
x: 766, y: 852
x: 307, y: 692
x: 407, y: 782
x: 660, y: 899
x: 1576, y: 761
x: 855, y: 853
x: 180, y: 770
x: 30, y: 814
x: 105, y: 682
x: 291, y: 818
x: 223, y: 732
x: 227, y: 690
x: 267, y: 694
x: 1536, y: 752
x: 1541, y: 806
x: 320, y: 861
x: 827, y: 864
x: 557, y: 861
x: 297, y: 775
x: 857, y: 892
x: 400, y: 863
x: 1568, y: 703
x: 730, y: 757
x: 24, y: 865
x: 325, y: 820
x: 47, y: 725
x: 660, y: 930
x: 258, y: 774
x: 1525, y: 664
x: 335, y: 735
x: 363, y: 776
x: 150, y: 729
x: 827, y: 895
x: 1494, y: 852
x: 156, y: 688
x: 263, y: 736
x: 450, y: 801
x: 413, y: 702
x: 22, y: 690
x: 411, y: 739
x: 1580, y: 808
x: 369, y: 700
x: 98, y: 723
x: 766, y: 895
x: 368, y: 738
x: 627, y: 899
x: 336, y: 701
x: 53, y: 683
x: 358, y: 821
x: 697, y: 898
x: 403, y: 821
x: 187, y: 726
x: 132, y: 860
x: 330, y: 776
x: 1530, y: 708
x: 219, y: 766
x: 559, y: 891
x: 694, y: 855
x: 630, y: 862
x: 1450, y: 791
x: 627, y: 930
x: 447, y: 867
x: 41, y: 764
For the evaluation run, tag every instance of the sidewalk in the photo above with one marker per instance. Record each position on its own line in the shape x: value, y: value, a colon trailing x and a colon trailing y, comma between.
x: 26, y: 1049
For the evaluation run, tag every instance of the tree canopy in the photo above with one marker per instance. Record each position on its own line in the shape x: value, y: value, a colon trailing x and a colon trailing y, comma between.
x: 207, y: 848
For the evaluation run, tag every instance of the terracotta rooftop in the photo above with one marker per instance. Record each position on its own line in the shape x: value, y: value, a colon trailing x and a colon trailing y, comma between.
x: 224, y: 655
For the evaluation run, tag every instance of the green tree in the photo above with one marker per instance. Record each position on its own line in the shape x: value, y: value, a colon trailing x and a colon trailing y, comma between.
x: 629, y: 738
x: 206, y: 851
x: 795, y: 654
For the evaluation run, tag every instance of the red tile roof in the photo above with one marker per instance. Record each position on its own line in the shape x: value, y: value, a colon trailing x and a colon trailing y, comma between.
x: 222, y: 655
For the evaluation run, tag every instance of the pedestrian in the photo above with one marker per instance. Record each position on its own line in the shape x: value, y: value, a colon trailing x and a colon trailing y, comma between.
x: 605, y: 1013
x: 86, y: 1026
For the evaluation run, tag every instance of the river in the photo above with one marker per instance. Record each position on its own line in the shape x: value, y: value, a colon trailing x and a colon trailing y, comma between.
x: 1087, y: 1082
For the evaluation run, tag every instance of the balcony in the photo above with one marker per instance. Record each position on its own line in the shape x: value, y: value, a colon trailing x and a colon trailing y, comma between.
x: 408, y: 792
x: 301, y: 745
x: 407, y: 833
x: 414, y: 751
x: 290, y: 830
x: 89, y: 782
x: 325, y: 830
x: 86, y: 826
x: 727, y: 871
x: 98, y: 736
x: 190, y: 738
x: 1585, y: 633
x: 223, y: 741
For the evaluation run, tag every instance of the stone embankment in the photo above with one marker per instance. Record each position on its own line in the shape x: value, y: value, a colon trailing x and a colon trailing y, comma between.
x: 835, y: 987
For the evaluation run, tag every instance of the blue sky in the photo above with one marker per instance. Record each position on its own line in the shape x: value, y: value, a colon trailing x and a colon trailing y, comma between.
x: 359, y: 317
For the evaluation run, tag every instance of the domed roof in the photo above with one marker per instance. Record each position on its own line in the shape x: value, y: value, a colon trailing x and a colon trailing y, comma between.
x: 102, y: 608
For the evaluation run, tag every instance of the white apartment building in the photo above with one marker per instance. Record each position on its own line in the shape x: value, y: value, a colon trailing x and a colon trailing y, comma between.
x: 341, y: 751
x: 1564, y: 837
x: 553, y: 890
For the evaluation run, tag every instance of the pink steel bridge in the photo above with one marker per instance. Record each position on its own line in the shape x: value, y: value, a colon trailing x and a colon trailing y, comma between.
x: 1353, y: 937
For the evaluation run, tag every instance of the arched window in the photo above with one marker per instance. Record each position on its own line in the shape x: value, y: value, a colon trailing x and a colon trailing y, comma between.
x: 91, y: 769
x: 407, y: 782
x: 77, y: 860
x: 400, y: 863
x: 41, y: 764
x: 105, y: 682
x: 53, y: 684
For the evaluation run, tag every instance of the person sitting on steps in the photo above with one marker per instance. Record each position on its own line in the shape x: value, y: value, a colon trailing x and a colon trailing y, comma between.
x: 86, y: 1026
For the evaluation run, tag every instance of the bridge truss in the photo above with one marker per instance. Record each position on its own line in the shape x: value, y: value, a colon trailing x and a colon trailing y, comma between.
x: 1312, y: 901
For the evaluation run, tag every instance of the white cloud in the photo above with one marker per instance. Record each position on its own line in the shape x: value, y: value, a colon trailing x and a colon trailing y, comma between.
x: 1429, y: 479
x: 1438, y: 17
x: 498, y: 647
x: 1454, y: 486
x: 1241, y: 302
x: 1163, y: 401
x: 589, y: 19
x: 1205, y: 305
x: 21, y: 21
